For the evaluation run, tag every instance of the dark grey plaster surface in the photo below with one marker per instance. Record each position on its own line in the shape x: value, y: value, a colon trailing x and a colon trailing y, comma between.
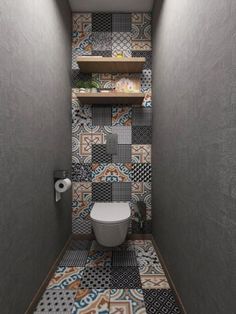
x: 35, y: 139
x: 194, y: 149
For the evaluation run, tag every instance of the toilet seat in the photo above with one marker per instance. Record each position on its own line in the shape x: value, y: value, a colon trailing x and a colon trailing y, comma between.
x: 114, y: 212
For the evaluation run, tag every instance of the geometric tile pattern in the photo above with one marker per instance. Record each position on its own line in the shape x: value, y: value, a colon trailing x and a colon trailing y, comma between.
x: 124, y: 258
x: 125, y: 277
x: 160, y: 301
x: 99, y: 154
x: 124, y: 280
x: 141, y: 135
x: 121, y: 42
x: 123, y: 154
x: 74, y: 258
x: 101, y: 22
x: 101, y: 192
x: 56, y: 301
x: 141, y: 173
x: 121, y: 191
x: 111, y: 143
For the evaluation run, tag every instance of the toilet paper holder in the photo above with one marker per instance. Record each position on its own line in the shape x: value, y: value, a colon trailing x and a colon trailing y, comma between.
x: 60, y: 175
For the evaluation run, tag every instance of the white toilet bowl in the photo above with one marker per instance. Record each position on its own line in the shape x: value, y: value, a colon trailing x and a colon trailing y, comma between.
x: 110, y: 222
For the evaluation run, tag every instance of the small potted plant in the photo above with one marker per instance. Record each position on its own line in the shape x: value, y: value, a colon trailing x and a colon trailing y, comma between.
x: 87, y: 86
x: 94, y: 86
x: 81, y: 86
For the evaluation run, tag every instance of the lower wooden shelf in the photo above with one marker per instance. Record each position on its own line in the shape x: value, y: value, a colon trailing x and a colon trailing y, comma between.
x: 110, y: 98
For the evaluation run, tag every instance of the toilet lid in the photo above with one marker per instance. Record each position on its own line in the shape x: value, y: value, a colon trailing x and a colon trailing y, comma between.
x: 110, y: 212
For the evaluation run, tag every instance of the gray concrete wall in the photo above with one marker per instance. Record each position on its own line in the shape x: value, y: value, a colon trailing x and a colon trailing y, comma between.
x: 194, y: 149
x: 35, y: 139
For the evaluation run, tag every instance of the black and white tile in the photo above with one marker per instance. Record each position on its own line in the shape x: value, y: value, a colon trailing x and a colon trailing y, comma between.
x: 102, y: 192
x: 81, y: 172
x: 101, y: 22
x: 124, y: 134
x: 160, y: 301
x: 124, y: 258
x: 121, y: 42
x: 75, y: 258
x: 101, y: 115
x: 121, y: 191
x: 141, y: 135
x: 141, y: 173
x: 125, y: 277
x: 99, y: 154
x: 121, y: 22
x: 96, y: 277
x: 123, y: 153
x: 142, y: 116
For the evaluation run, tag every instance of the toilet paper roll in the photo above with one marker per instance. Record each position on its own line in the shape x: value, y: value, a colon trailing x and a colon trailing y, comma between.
x: 62, y: 185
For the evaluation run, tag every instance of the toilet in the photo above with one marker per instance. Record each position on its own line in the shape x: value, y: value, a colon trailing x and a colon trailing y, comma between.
x: 110, y: 222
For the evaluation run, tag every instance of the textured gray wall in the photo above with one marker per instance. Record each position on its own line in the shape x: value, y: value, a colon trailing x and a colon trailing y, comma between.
x: 35, y: 139
x: 194, y: 149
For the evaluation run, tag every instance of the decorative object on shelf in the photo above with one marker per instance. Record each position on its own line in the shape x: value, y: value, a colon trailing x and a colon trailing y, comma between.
x: 87, y: 86
x: 128, y: 85
x: 119, y: 54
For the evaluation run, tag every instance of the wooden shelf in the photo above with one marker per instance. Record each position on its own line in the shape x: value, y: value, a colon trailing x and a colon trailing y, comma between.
x: 111, y: 64
x: 111, y: 98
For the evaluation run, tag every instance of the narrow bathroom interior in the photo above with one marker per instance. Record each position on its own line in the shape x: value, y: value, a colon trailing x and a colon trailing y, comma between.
x: 117, y: 134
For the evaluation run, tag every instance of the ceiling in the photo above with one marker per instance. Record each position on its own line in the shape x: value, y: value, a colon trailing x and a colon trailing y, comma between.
x: 111, y: 5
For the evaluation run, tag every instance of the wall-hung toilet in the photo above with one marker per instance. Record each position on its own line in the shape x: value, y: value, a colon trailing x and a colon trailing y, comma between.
x: 110, y: 222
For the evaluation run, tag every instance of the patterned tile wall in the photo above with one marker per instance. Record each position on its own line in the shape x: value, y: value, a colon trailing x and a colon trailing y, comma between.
x: 111, y: 145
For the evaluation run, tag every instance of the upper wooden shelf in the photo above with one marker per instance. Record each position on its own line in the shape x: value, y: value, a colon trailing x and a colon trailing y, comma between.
x: 111, y: 98
x: 110, y: 64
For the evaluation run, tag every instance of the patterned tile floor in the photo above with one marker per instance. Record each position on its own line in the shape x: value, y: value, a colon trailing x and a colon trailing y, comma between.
x: 91, y: 279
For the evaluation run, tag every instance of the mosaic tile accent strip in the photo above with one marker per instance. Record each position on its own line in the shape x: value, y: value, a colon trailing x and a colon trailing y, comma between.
x: 101, y: 115
x: 160, y: 301
x: 111, y: 172
x: 96, y: 278
x: 102, y: 192
x: 123, y: 154
x: 121, y: 116
x: 56, y: 301
x: 91, y: 301
x: 121, y: 22
x: 141, y: 173
x: 141, y: 135
x: 142, y: 116
x: 81, y: 172
x: 141, y: 154
x: 125, y: 277
x: 101, y: 22
x: 74, y: 258
x: 99, y: 154
x: 124, y: 258
x: 127, y: 301
x: 99, y: 259
x: 121, y: 191
x: 124, y: 134
x: 102, y: 41
x: 121, y: 42
x: 144, y: 54
x: 66, y: 278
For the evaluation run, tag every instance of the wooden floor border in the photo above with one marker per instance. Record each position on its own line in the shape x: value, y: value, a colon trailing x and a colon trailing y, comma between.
x: 170, y: 281
x: 44, y: 284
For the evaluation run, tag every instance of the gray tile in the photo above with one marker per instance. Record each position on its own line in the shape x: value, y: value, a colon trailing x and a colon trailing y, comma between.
x: 112, y: 143
x: 77, y: 244
x: 124, y: 134
x: 101, y: 115
x: 101, y: 22
x: 142, y: 116
x: 81, y: 226
x: 56, y: 301
x: 121, y: 191
x: 121, y: 22
x: 96, y: 278
x: 144, y: 54
x: 102, y: 41
x: 123, y: 153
